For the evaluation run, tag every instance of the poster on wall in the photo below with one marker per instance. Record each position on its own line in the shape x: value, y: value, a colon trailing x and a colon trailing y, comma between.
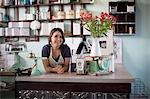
x: 118, y: 50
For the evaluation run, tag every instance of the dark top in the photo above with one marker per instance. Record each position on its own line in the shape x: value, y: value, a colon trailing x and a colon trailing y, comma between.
x: 65, y: 51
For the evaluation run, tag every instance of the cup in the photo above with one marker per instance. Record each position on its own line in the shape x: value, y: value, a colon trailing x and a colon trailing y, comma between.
x: 93, y: 67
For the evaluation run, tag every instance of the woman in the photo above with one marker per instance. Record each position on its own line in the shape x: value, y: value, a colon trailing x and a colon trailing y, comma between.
x: 57, y: 53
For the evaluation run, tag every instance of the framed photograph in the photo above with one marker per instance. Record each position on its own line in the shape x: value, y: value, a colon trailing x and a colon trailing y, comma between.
x: 103, y: 44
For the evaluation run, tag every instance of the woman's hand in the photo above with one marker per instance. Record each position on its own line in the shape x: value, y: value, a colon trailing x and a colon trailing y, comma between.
x: 59, y: 69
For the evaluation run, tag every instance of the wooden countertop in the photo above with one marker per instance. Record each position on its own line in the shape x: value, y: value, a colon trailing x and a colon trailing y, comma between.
x: 7, y: 73
x: 121, y: 75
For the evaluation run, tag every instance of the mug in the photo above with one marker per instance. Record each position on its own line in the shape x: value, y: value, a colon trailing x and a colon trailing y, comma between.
x: 93, y: 67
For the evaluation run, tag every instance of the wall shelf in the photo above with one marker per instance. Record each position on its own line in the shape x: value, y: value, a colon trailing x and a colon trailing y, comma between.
x: 16, y: 18
x: 35, y: 5
x: 125, y: 13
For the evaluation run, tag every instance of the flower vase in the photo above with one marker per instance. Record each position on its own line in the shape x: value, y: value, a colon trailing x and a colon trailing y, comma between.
x: 95, y: 49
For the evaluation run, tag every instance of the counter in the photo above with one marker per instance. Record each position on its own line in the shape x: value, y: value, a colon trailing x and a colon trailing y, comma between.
x: 117, y: 82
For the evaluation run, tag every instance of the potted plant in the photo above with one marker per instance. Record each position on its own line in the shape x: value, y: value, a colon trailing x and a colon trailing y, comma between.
x: 98, y: 26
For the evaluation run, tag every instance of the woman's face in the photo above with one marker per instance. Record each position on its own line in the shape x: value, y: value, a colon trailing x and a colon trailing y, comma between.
x: 56, y: 39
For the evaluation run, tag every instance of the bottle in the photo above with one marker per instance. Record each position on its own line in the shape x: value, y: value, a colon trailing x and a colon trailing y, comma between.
x: 130, y: 30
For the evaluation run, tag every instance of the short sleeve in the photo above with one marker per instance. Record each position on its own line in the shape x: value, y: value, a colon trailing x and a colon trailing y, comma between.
x: 66, y: 53
x: 46, y: 51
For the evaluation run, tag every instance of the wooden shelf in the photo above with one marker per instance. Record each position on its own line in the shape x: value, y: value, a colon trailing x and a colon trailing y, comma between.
x: 51, y: 4
x: 50, y: 7
x: 41, y: 20
x: 125, y: 13
x: 121, y: 12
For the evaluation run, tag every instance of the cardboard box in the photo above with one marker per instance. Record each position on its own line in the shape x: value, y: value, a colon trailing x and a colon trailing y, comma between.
x: 24, y: 24
x: 7, y: 33
x: 1, y: 31
x: 58, y: 25
x: 13, y: 24
x: 24, y: 32
x: 76, y: 29
x: 14, y: 31
x: 44, y: 29
x: 29, y: 17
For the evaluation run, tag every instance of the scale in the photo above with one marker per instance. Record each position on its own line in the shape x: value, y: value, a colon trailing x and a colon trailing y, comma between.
x: 16, y: 48
x: 35, y: 69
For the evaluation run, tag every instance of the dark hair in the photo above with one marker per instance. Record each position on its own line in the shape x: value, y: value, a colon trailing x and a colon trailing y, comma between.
x: 53, y: 31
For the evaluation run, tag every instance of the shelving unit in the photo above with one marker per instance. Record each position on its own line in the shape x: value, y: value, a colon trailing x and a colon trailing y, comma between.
x: 125, y: 13
x: 37, y: 6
